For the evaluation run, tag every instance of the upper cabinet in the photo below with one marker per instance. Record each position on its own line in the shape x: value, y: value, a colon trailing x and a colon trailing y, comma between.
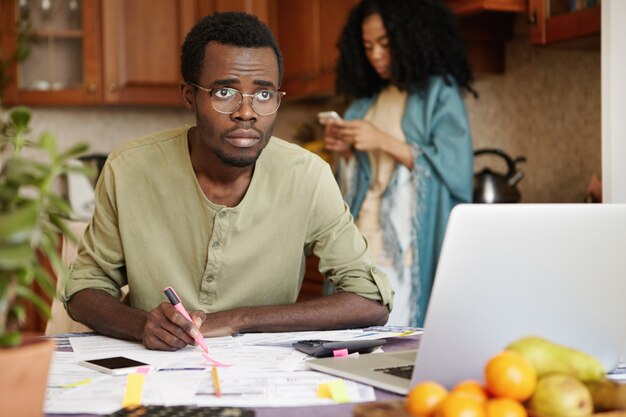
x: 119, y: 52
x: 486, y: 26
x: 468, y: 7
x: 308, y: 32
x: 141, y: 49
x: 97, y: 51
x: 64, y: 63
x: 560, y: 20
x: 127, y: 52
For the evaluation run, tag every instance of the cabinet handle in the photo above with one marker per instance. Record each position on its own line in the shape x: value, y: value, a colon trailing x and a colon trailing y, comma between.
x: 532, y: 18
x: 92, y: 88
x: 113, y: 87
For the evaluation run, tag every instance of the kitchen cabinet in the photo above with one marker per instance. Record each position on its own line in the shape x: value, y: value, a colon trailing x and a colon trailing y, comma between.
x: 126, y: 52
x: 468, y: 7
x: 265, y: 10
x: 64, y: 64
x: 486, y: 26
x: 551, y: 21
x: 138, y: 69
x: 114, y: 52
x: 308, y: 32
x: 141, y: 49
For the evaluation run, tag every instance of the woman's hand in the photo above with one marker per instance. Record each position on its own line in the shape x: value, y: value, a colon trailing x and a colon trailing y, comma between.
x: 363, y: 135
x: 333, y: 140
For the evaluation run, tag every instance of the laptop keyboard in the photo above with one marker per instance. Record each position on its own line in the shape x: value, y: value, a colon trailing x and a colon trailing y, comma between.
x: 405, y: 371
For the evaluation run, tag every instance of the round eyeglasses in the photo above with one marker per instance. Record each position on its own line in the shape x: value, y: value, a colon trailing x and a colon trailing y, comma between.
x: 228, y: 100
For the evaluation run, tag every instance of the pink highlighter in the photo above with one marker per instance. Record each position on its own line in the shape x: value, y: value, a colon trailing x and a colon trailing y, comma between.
x: 175, y: 300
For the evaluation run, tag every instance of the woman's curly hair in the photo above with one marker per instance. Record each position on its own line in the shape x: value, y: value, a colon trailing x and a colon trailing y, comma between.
x: 424, y: 40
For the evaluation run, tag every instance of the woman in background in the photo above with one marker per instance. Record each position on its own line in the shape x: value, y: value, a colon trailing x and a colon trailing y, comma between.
x: 405, y: 145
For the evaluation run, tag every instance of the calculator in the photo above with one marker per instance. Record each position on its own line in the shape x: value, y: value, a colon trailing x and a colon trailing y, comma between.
x: 324, y: 348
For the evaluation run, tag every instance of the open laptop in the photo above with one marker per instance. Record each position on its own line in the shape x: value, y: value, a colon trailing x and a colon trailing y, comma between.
x: 508, y: 271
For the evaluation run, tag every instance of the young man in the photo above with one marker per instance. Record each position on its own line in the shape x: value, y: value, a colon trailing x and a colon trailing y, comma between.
x: 222, y: 212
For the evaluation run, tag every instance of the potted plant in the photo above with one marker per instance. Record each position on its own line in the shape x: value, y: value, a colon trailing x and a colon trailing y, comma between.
x: 32, y: 217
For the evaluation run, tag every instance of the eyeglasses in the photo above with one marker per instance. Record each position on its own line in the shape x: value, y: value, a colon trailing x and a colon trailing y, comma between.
x: 228, y: 100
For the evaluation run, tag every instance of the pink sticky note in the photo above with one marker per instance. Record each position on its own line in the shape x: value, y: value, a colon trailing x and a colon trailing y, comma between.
x: 340, y: 352
x: 143, y: 370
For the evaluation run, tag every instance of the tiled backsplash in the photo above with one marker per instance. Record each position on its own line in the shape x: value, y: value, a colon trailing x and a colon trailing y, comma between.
x: 546, y: 107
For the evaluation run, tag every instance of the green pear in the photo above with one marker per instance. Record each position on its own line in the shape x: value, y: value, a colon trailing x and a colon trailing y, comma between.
x: 560, y: 395
x: 548, y: 357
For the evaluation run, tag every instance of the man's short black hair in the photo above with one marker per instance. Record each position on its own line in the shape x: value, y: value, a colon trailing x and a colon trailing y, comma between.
x: 228, y: 28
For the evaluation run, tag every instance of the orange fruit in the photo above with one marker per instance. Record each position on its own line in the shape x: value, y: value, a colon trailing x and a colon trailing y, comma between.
x: 472, y: 388
x: 424, y: 398
x: 509, y: 374
x: 505, y: 407
x: 460, y: 404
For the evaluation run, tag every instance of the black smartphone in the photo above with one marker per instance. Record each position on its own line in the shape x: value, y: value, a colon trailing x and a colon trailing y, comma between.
x: 117, y: 365
x: 324, y: 348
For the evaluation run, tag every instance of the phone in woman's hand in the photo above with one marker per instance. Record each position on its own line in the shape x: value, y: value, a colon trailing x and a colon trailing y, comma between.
x: 325, y: 116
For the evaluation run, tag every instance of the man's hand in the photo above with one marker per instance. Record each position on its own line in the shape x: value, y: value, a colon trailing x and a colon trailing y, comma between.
x: 163, y: 328
x: 338, y: 311
x: 167, y: 329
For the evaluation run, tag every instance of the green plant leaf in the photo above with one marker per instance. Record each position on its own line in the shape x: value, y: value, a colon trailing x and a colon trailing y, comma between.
x: 19, y: 312
x: 15, y: 256
x: 20, y: 116
x: 17, y: 226
x: 48, y: 246
x: 10, y: 339
x: 48, y: 142
x: 90, y: 172
x: 39, y: 303
x: 22, y: 51
x: 25, y: 171
x: 60, y: 206
x: 45, y: 281
x: 74, y: 151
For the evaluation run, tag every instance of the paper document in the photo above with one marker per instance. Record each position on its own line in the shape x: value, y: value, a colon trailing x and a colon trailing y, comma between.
x: 259, y: 374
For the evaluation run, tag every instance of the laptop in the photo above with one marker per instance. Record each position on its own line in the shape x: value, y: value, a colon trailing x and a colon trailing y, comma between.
x: 508, y: 271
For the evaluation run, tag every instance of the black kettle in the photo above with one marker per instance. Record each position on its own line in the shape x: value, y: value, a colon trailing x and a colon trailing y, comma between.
x: 493, y: 187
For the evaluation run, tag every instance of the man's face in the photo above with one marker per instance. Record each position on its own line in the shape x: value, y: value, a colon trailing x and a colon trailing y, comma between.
x: 237, y: 139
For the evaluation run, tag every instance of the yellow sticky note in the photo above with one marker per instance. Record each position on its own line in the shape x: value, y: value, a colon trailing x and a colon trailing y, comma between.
x: 134, y: 390
x: 323, y: 391
x: 338, y: 391
x: 76, y: 384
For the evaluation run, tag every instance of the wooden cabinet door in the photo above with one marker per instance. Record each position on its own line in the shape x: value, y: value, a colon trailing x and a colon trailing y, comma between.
x: 141, y: 49
x: 308, y: 32
x: 265, y: 10
x: 64, y: 66
x: 547, y: 27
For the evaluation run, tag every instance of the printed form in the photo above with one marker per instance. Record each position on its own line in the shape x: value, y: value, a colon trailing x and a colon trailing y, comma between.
x: 259, y: 370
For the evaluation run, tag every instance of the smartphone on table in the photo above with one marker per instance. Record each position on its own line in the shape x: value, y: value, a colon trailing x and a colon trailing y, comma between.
x: 117, y: 365
x: 324, y: 116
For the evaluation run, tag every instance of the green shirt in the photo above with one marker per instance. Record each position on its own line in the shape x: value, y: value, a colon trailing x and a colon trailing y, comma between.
x: 153, y: 227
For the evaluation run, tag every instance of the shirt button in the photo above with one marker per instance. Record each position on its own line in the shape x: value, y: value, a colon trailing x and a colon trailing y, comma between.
x: 215, y: 245
x: 374, y: 270
x: 221, y: 214
x: 210, y: 278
